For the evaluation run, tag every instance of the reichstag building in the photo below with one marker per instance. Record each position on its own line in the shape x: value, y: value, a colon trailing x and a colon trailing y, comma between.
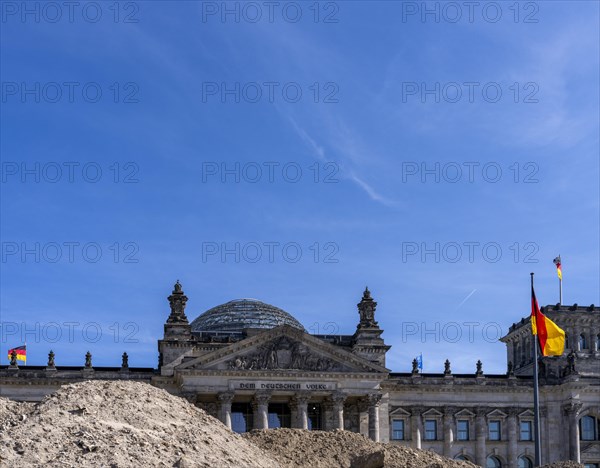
x: 253, y: 365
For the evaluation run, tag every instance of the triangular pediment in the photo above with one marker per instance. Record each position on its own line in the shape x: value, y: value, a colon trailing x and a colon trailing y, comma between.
x: 433, y: 413
x: 399, y: 411
x: 464, y: 413
x: 526, y: 414
x: 497, y: 414
x: 284, y: 348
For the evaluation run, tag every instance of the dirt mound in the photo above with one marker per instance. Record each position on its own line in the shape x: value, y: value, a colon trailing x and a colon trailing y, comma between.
x: 120, y: 424
x: 11, y: 412
x: 295, y: 448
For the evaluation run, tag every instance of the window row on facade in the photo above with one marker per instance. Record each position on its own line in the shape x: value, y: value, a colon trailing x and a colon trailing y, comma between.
x: 463, y: 430
x: 589, y: 429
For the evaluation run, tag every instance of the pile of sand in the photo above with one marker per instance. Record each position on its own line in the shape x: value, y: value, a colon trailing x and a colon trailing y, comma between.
x: 120, y: 424
x: 294, y: 448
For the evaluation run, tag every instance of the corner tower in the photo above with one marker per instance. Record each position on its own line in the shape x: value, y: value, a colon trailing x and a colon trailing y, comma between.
x: 367, y: 341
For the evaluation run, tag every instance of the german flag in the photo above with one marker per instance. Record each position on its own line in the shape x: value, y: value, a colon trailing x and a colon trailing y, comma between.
x: 558, y: 264
x: 21, y: 353
x: 550, y: 336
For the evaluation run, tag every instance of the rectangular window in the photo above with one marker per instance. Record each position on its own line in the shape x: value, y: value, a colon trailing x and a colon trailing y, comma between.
x: 397, y: 429
x: 588, y: 428
x: 430, y: 429
x: 462, y: 426
x: 526, y: 432
x: 494, y: 430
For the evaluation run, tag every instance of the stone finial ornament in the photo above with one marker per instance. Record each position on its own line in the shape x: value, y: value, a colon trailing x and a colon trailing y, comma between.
x: 366, y: 310
x: 177, y: 301
x: 479, y: 366
x: 88, y: 359
x: 447, y: 370
x: 13, y: 359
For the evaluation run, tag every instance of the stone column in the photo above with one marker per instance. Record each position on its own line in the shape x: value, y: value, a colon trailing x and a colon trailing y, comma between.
x: 260, y: 404
x: 415, y: 427
x: 374, y: 400
x: 448, y: 431
x: 480, y: 435
x: 363, y: 416
x: 338, y: 399
x: 300, y: 401
x: 225, y: 400
x: 513, y: 432
x: 572, y: 410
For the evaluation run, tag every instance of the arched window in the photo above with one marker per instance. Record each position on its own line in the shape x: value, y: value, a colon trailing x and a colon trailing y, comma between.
x: 598, y: 342
x: 588, y: 428
x: 525, y: 462
x: 582, y: 342
x: 461, y: 457
x: 493, y: 462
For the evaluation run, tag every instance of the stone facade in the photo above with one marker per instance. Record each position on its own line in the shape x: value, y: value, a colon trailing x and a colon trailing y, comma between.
x: 283, y: 376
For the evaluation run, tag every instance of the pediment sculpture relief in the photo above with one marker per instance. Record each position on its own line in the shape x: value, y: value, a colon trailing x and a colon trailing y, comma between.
x: 283, y: 353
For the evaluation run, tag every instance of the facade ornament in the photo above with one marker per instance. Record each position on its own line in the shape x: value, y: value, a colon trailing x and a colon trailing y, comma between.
x: 510, y: 371
x: 366, y: 310
x: 177, y: 301
x: 125, y: 361
x: 447, y: 370
x: 283, y: 353
x: 374, y: 399
x: 88, y: 359
x: 226, y: 397
x: 13, y: 359
x: 570, y: 369
x: 415, y: 366
x: 51, y: 359
x: 479, y: 371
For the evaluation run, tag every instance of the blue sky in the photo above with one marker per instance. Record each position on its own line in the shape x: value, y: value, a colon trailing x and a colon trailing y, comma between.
x: 437, y: 159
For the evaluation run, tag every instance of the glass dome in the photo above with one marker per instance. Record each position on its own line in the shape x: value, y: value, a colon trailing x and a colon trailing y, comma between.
x: 236, y: 315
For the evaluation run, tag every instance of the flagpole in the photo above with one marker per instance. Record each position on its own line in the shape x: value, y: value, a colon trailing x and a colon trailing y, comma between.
x: 560, y: 291
x: 536, y: 397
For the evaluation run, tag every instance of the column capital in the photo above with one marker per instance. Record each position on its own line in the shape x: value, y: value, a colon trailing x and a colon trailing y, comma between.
x: 261, y: 398
x: 573, y: 407
x: 417, y: 410
x: 374, y: 399
x: 226, y: 397
x: 301, y: 398
x: 338, y: 398
x: 512, y: 412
